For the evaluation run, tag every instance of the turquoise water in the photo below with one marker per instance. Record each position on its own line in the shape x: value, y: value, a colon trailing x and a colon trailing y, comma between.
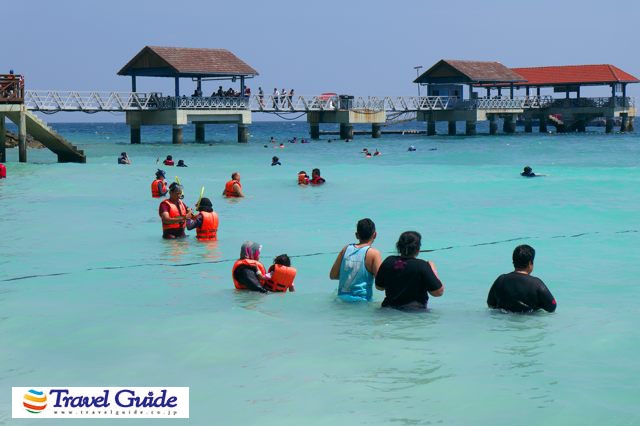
x: 129, y: 309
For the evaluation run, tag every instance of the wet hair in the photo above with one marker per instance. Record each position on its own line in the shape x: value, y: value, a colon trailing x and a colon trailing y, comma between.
x: 274, y: 159
x: 169, y: 157
x: 315, y: 172
x: 365, y: 229
x: 528, y: 169
x: 205, y: 205
x: 175, y: 187
x: 233, y: 175
x: 408, y: 244
x: 124, y: 154
x: 283, y: 260
x: 180, y: 161
x: 522, y: 255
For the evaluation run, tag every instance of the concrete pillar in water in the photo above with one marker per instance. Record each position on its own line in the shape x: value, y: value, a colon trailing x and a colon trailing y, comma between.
x: 376, y: 130
x: 493, y: 125
x: 608, y: 125
x: 509, y: 125
x: 470, y: 128
x: 135, y: 134
x: 630, y: 120
x: 452, y: 128
x: 243, y: 133
x: 177, y: 134
x: 3, y: 133
x: 200, y: 132
x: 314, y: 130
x: 346, y: 131
x: 581, y: 125
x: 22, y: 136
x: 431, y: 128
x: 543, y: 124
x: 528, y: 125
x: 624, y: 123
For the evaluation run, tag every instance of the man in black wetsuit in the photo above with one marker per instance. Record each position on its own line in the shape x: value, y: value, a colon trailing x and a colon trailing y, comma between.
x: 519, y: 291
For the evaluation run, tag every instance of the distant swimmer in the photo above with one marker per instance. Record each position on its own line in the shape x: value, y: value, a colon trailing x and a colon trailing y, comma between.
x: 205, y: 222
x: 159, y: 185
x: 303, y: 178
x: 304, y: 141
x: 275, y: 161
x: 316, y: 179
x: 412, y: 148
x: 272, y: 140
x: 365, y: 150
x: 375, y: 154
x: 407, y: 281
x: 181, y: 164
x: 294, y: 140
x: 281, y: 145
x: 174, y: 214
x: 233, y: 188
x: 3, y: 171
x: 528, y: 172
x: 124, y: 158
x: 247, y: 272
x: 280, y: 275
x: 168, y: 161
x: 367, y: 154
x: 357, y: 265
x: 519, y: 291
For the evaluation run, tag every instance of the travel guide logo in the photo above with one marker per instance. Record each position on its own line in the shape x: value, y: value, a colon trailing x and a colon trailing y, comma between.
x: 99, y: 402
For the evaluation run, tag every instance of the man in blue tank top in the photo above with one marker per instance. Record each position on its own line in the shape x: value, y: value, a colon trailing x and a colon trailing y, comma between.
x: 357, y: 265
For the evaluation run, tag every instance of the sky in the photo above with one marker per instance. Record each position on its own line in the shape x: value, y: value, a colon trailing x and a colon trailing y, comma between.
x: 363, y: 48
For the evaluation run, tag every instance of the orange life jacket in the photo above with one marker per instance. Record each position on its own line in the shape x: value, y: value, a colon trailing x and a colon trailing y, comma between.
x: 303, y: 179
x: 248, y: 262
x: 174, y: 211
x: 281, y: 278
x: 228, y: 188
x: 209, y: 228
x: 154, y: 188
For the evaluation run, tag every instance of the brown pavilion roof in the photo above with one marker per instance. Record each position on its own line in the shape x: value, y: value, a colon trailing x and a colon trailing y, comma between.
x: 478, y: 72
x: 157, y: 61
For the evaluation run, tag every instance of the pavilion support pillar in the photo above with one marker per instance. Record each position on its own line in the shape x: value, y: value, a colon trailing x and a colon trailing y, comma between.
x: 3, y: 135
x: 22, y: 136
x: 608, y: 126
x: 200, y: 132
x: 509, y: 124
x: 135, y: 134
x: 431, y: 128
x: 177, y: 134
x: 376, y: 130
x: 543, y: 124
x: 314, y: 130
x: 452, y: 128
x: 581, y: 125
x: 243, y: 133
x: 528, y: 124
x: 493, y: 124
x: 624, y: 121
x: 630, y: 123
x: 470, y: 128
x: 346, y: 131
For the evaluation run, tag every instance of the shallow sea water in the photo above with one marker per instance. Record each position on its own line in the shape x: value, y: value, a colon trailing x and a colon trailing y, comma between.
x: 129, y: 309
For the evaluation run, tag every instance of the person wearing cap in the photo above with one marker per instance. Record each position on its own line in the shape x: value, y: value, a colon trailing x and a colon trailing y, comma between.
x: 205, y: 222
x: 124, y: 159
x: 174, y: 213
x: 181, y: 164
x: 247, y: 272
x: 159, y: 186
x: 168, y: 161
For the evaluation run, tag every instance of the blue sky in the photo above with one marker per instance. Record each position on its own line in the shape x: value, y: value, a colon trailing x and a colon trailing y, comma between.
x: 356, y: 47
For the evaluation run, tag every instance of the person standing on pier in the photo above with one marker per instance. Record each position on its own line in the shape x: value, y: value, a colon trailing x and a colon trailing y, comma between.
x: 276, y: 96
x: 261, y: 97
x: 233, y: 188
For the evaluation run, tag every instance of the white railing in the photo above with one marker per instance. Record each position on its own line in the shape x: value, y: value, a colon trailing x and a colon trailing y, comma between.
x: 53, y: 100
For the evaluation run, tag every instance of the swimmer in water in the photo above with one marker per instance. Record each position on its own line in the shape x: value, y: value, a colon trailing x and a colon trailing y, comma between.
x: 375, y: 154
x: 412, y: 148
x: 281, y: 145
x: 181, y: 164
x: 528, y: 172
x: 275, y: 161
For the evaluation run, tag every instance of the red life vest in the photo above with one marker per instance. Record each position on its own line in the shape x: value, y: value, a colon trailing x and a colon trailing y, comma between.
x: 209, y: 228
x: 154, y: 188
x: 317, y: 180
x: 168, y: 162
x: 247, y: 262
x: 3, y: 171
x: 174, y: 211
x: 228, y: 188
x: 281, y: 278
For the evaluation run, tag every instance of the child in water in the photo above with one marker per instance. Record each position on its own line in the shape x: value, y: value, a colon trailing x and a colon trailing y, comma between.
x: 303, y: 178
x: 280, y: 276
x: 275, y: 161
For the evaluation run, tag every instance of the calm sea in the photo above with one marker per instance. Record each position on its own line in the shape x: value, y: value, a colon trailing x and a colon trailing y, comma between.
x: 90, y: 295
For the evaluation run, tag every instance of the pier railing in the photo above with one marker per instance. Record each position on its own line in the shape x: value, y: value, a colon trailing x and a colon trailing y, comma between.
x: 601, y: 102
x: 53, y: 100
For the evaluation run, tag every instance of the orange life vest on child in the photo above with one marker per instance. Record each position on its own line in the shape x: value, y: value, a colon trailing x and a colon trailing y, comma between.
x: 303, y: 179
x: 248, y: 262
x: 209, y: 228
x: 174, y: 211
x: 154, y: 188
x: 228, y: 188
x: 281, y: 278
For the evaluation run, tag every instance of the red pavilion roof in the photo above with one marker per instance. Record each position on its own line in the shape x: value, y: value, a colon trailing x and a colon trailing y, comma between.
x: 573, y: 74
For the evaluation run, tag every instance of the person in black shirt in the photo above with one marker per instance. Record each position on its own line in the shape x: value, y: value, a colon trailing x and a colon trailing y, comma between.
x: 407, y: 281
x: 519, y: 291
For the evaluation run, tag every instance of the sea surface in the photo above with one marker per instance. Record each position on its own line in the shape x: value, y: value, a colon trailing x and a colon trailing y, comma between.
x: 90, y: 294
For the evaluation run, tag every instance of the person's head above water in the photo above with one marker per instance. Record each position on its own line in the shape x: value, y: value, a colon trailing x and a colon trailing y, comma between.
x: 409, y: 244
x: 180, y: 162
x: 527, y: 170
x: 274, y: 159
x: 169, y: 157
x: 250, y: 250
x: 235, y: 176
x: 523, y: 256
x: 160, y: 174
x: 123, y: 154
x: 175, y: 190
x: 283, y: 260
x: 365, y: 230
x: 315, y: 172
x: 205, y: 205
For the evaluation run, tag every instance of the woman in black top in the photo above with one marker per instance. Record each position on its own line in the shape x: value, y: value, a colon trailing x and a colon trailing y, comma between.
x: 407, y: 281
